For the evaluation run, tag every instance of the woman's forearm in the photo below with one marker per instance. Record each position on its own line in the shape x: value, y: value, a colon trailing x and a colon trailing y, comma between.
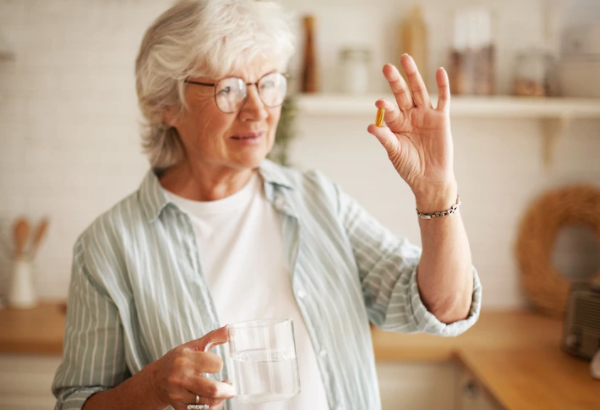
x: 445, y: 275
x: 137, y: 392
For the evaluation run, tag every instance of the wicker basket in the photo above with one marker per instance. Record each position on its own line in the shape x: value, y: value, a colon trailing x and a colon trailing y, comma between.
x: 546, y: 287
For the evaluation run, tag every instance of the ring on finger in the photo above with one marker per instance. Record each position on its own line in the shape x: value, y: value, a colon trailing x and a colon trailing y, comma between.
x: 197, y: 405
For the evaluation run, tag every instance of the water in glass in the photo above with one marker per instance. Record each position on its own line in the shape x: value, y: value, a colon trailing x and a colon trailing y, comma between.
x: 264, y: 375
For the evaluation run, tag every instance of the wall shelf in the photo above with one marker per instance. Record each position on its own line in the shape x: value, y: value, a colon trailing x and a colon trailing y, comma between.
x: 554, y: 114
x: 460, y: 106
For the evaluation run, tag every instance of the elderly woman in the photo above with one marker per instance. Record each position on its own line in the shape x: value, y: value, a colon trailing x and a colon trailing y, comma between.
x: 218, y: 234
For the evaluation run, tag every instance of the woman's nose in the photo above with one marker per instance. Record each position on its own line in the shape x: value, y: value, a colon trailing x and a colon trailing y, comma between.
x: 254, y: 109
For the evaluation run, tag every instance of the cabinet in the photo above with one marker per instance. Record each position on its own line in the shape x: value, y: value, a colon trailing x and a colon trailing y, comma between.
x: 470, y: 394
x: 426, y: 386
x: 25, y: 381
x: 416, y: 386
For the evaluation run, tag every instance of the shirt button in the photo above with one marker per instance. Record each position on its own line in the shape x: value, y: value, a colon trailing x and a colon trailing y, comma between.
x: 301, y: 294
x: 279, y: 202
x: 323, y: 353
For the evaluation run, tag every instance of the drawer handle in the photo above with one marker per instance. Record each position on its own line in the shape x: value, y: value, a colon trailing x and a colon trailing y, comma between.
x: 471, y: 389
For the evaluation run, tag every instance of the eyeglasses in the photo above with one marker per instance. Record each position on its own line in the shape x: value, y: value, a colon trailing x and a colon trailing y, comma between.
x: 232, y: 93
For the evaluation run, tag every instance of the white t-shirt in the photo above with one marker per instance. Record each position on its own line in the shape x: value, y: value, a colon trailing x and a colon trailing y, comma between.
x: 243, y: 260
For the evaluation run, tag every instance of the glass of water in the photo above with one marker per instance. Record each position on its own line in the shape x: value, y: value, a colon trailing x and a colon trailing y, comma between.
x: 265, y: 366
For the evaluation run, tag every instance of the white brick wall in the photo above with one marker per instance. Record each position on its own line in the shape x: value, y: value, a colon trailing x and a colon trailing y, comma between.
x: 69, y: 143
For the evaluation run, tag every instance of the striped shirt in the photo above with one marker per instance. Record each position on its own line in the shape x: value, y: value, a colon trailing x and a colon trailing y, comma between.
x: 137, y: 288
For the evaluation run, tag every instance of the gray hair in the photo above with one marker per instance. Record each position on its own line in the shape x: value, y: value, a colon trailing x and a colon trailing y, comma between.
x: 207, y: 38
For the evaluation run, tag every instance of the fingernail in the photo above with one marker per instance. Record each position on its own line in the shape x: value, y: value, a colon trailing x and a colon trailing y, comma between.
x: 227, y: 389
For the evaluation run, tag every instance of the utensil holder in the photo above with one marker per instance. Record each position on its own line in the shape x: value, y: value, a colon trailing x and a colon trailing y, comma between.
x: 22, y: 294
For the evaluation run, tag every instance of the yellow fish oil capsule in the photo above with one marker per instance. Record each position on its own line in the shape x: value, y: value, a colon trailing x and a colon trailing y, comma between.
x: 379, y: 117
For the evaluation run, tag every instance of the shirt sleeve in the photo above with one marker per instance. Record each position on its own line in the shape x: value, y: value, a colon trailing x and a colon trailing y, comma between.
x: 93, y: 349
x: 387, y: 265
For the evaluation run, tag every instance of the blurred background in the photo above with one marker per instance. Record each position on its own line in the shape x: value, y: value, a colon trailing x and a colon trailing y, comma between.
x: 70, y: 145
x: 525, y: 78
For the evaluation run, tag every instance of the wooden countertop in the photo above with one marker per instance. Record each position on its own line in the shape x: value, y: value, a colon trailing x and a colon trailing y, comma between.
x: 36, y: 331
x: 495, y: 330
x: 515, y: 355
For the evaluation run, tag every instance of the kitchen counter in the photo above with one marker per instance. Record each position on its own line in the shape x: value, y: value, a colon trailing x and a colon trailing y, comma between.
x: 35, y: 331
x: 495, y: 330
x: 514, y: 355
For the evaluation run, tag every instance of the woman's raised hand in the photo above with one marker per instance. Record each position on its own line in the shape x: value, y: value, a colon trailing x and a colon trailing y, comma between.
x: 178, y: 375
x: 415, y: 135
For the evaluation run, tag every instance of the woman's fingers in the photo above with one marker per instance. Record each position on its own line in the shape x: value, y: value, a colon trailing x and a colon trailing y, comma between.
x: 441, y: 77
x: 393, y: 117
x: 417, y: 86
x: 206, y: 362
x: 212, y: 389
x: 386, y: 137
x: 209, y: 389
x: 398, y: 86
x: 190, y: 398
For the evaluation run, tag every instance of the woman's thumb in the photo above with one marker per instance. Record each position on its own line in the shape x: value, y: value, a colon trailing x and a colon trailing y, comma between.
x: 209, y: 340
x: 385, y: 137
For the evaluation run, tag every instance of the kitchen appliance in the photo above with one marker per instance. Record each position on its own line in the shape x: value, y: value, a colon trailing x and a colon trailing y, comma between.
x: 581, y: 333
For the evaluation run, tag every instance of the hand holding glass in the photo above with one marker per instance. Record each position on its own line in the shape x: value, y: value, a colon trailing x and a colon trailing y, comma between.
x: 265, y: 366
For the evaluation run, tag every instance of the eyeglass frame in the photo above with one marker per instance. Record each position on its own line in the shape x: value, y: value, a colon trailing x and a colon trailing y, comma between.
x: 285, y: 75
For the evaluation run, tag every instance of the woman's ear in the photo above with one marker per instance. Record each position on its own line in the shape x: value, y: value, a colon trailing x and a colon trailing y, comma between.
x: 170, y: 116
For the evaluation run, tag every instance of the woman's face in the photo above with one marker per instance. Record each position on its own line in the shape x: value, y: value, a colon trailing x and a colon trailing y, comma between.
x: 239, y: 140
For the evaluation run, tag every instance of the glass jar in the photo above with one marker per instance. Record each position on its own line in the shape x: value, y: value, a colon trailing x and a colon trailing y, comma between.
x: 535, y: 74
x: 355, y: 66
x: 472, y: 65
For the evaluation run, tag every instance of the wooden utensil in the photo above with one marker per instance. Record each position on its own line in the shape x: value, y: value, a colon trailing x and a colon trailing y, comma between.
x: 21, y: 231
x: 310, y: 80
x: 38, y: 236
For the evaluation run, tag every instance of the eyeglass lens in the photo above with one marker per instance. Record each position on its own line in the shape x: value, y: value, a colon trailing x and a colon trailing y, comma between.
x: 231, y: 93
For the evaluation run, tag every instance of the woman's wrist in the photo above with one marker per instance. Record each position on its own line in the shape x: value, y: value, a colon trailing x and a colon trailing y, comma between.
x: 137, y: 392
x: 152, y: 387
x: 436, y: 198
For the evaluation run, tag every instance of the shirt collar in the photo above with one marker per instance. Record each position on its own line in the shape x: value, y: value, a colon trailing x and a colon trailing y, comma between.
x: 154, y: 200
x: 274, y: 174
